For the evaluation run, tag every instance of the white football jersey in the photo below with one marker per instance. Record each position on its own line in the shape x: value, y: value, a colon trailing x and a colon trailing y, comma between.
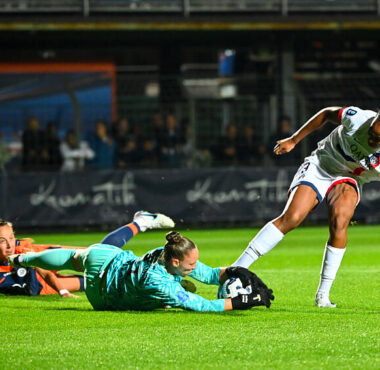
x: 345, y: 152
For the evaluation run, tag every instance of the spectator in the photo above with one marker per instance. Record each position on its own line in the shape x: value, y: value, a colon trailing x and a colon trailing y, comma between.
x: 171, y: 142
x: 103, y: 147
x: 75, y: 152
x: 158, y: 128
x: 148, y: 153
x: 4, y: 155
x: 193, y: 156
x: 227, y: 151
x: 113, y: 128
x: 251, y: 147
x: 127, y: 153
x: 284, y: 131
x: 33, y: 146
x: 158, y: 124
x: 52, y: 153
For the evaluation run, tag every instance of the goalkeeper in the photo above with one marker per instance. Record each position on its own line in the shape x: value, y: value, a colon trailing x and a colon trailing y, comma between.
x: 119, y: 280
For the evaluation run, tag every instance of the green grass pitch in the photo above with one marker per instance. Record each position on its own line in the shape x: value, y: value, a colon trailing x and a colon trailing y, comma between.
x: 53, y: 333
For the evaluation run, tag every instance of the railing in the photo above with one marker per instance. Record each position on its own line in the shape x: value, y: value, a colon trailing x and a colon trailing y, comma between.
x: 187, y: 7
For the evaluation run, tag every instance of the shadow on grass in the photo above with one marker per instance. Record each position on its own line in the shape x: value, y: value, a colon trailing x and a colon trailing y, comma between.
x: 153, y: 312
x: 81, y: 309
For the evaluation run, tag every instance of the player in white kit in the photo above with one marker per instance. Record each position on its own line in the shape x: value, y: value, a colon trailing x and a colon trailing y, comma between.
x: 346, y: 159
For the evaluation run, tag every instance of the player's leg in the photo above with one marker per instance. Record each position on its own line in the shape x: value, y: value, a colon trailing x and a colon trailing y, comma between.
x: 301, y: 201
x: 341, y: 203
x: 142, y: 221
x: 122, y: 235
x: 55, y: 259
x: 95, y: 261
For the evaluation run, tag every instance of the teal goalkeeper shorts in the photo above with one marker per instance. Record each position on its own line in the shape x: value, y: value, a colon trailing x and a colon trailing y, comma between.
x: 94, y: 261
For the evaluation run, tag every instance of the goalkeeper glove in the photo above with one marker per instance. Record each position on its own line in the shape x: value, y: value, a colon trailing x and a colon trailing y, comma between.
x: 247, y: 301
x: 260, y: 297
x: 266, y: 297
x: 246, y: 277
x: 239, y: 272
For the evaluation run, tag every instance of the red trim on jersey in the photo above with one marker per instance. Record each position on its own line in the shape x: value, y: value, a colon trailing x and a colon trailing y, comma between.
x: 357, y: 171
x: 341, y: 181
x: 340, y: 114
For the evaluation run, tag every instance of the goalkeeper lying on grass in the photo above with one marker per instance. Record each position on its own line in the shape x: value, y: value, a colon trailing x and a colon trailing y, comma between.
x: 119, y: 280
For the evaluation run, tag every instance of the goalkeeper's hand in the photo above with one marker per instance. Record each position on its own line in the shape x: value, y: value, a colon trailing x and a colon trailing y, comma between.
x: 260, y: 297
x: 246, y: 277
x: 266, y: 297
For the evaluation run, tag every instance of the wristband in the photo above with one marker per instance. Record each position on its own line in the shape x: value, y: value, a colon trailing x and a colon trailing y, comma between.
x: 63, y: 291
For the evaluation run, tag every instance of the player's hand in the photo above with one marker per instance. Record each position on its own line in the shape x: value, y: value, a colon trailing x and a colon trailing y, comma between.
x: 255, y: 281
x: 246, y: 277
x: 266, y: 297
x: 247, y: 301
x: 260, y: 297
x: 239, y: 272
x: 284, y: 146
x: 69, y: 295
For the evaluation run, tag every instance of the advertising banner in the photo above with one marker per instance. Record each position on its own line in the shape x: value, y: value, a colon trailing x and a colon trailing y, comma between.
x: 190, y: 196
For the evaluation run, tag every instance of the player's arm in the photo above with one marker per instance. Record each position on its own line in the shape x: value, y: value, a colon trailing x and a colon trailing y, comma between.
x: 195, y: 302
x: 215, y: 276
x: 174, y: 295
x: 171, y: 293
x: 54, y: 282
x: 261, y: 294
x: 330, y: 114
x: 206, y: 274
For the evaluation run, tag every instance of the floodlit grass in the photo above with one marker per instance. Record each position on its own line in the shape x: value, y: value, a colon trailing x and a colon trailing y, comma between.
x: 50, y: 332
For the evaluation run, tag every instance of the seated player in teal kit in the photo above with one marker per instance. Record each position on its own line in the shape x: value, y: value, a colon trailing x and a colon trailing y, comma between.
x: 118, y: 280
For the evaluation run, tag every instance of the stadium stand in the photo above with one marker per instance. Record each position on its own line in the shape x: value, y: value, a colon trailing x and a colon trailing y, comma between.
x: 191, y: 94
x: 187, y: 7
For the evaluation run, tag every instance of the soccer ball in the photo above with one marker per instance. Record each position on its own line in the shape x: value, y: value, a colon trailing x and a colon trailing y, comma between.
x: 231, y: 288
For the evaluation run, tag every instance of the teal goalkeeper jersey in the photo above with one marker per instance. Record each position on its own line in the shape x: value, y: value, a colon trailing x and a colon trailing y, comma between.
x: 143, y: 283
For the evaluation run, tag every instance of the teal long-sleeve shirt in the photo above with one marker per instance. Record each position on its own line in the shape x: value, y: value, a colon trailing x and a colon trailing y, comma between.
x: 143, y: 283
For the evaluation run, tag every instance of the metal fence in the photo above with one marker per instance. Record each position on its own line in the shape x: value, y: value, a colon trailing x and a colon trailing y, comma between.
x: 203, y: 109
x: 187, y: 7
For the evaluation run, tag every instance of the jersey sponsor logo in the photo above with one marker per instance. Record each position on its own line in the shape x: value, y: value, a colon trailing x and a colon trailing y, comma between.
x: 21, y: 272
x: 351, y: 112
x: 19, y: 286
x: 375, y: 160
x: 182, y: 296
x: 302, y: 170
x: 356, y: 152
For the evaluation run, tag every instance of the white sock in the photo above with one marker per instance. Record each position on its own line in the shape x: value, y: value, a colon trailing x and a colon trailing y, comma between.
x: 330, y: 265
x: 267, y: 238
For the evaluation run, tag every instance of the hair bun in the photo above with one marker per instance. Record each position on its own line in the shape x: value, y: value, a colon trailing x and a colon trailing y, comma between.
x: 173, y: 237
